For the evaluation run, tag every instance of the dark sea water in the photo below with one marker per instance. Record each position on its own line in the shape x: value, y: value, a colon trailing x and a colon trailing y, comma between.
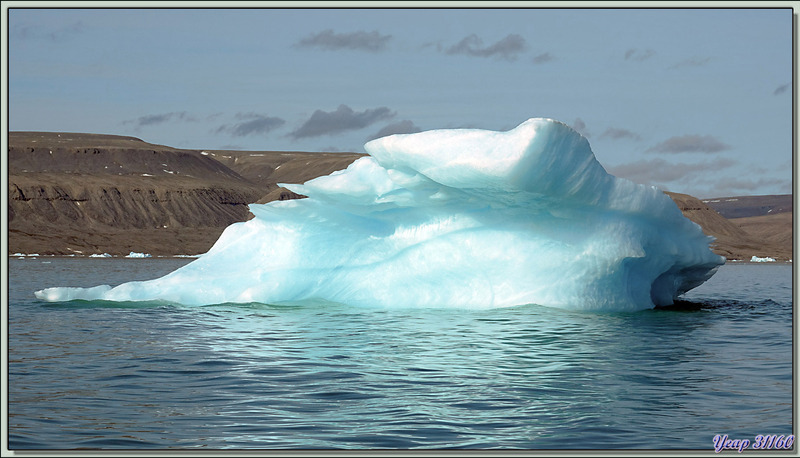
x: 159, y: 376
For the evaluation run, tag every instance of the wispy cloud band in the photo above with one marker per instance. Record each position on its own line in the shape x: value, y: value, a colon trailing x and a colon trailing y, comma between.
x: 507, y: 48
x: 689, y: 144
x: 360, y: 41
x: 660, y: 171
x: 638, y: 55
x: 342, y: 119
x: 160, y: 118
x: 402, y: 127
x: 251, y: 123
x: 618, y: 134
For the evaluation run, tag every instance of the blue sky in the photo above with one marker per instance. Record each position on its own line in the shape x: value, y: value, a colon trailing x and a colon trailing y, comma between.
x: 691, y: 100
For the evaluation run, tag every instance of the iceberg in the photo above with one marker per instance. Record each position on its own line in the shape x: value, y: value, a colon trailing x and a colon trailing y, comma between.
x: 463, y: 218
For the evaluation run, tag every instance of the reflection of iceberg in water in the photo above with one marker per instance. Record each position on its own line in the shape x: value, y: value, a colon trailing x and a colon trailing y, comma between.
x: 461, y: 218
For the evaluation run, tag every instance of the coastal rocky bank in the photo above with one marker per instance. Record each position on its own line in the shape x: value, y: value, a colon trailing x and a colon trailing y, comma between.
x: 84, y: 194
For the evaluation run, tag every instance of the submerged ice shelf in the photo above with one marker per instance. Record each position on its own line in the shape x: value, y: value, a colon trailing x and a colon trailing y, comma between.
x: 451, y: 218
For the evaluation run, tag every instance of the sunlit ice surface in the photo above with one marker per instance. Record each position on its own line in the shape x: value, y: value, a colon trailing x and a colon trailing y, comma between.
x: 462, y: 218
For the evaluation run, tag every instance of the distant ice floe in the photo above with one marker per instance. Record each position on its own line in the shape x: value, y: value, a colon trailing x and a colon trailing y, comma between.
x: 132, y: 254
x: 138, y: 255
x: 766, y: 259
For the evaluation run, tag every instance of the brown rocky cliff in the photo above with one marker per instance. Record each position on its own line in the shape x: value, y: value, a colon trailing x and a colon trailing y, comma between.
x: 268, y: 168
x: 732, y: 240
x: 91, y: 194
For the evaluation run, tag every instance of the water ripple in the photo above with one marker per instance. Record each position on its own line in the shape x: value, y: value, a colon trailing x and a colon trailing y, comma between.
x: 255, y: 376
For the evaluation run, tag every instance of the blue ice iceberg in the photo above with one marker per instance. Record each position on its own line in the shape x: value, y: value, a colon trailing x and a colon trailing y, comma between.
x: 451, y: 218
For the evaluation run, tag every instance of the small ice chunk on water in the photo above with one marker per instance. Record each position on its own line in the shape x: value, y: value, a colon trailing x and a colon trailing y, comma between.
x: 138, y: 255
x: 71, y: 294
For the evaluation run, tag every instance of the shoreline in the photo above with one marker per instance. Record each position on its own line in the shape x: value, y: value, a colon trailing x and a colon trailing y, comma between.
x: 195, y: 256
x: 102, y: 256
